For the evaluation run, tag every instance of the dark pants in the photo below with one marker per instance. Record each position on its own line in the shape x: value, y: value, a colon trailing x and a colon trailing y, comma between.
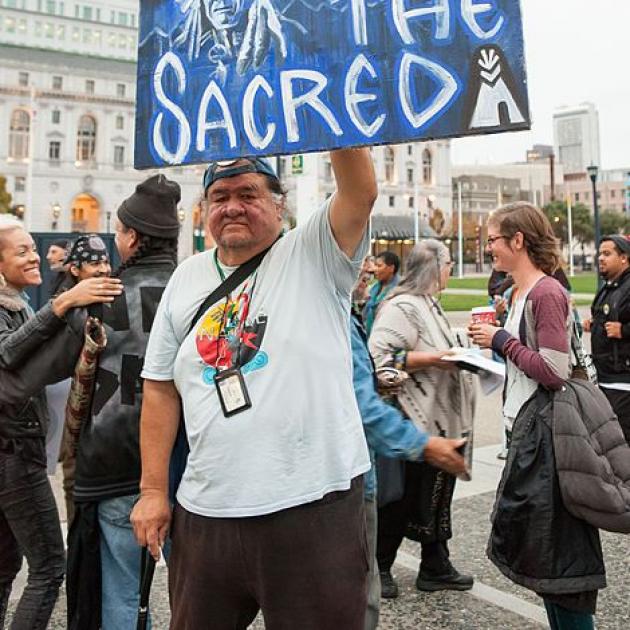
x: 422, y: 514
x: 620, y: 402
x: 29, y: 526
x: 305, y: 567
x: 561, y: 618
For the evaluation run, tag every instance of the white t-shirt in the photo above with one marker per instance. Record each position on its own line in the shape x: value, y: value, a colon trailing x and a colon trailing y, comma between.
x: 303, y: 435
x: 519, y: 387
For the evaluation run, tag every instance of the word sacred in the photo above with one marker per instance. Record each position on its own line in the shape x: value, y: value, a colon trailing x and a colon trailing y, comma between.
x: 278, y: 109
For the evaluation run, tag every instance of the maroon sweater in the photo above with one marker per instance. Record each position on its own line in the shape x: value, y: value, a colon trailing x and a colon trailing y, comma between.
x: 545, y: 357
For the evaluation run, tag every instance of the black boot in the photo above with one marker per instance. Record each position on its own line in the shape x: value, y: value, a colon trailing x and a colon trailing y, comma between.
x: 437, y: 573
x: 389, y: 588
x: 449, y: 580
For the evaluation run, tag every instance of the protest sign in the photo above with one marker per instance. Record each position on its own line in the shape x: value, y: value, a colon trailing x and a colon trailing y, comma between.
x: 222, y: 78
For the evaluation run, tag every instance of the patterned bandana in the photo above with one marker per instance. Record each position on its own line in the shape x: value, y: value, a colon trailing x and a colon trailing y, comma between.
x: 87, y: 249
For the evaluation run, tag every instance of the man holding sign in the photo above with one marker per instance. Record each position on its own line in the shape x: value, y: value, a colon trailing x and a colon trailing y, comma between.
x: 269, y: 512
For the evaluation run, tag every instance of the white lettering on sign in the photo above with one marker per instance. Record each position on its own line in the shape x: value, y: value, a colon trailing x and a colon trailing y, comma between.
x: 291, y: 103
x: 471, y: 9
x: 359, y: 22
x: 249, y: 124
x: 440, y: 10
x: 354, y: 98
x: 203, y: 125
x: 183, y: 136
x: 439, y: 102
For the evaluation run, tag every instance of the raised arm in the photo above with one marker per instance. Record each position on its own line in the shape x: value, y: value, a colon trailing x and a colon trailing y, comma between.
x: 356, y: 193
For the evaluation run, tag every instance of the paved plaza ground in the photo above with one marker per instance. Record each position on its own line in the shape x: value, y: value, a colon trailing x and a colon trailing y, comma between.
x: 494, y: 603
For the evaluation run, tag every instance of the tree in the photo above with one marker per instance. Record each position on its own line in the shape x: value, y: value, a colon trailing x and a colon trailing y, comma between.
x: 612, y: 222
x: 5, y: 196
x: 581, y: 221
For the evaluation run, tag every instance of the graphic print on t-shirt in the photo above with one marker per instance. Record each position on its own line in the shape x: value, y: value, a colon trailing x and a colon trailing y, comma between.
x: 224, y: 338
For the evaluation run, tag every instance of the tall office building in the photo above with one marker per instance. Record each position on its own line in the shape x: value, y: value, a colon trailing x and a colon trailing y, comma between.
x: 576, y: 137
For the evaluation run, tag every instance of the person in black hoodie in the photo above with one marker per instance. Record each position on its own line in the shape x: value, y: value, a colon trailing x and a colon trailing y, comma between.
x: 29, y: 523
x: 108, y: 453
x: 610, y: 327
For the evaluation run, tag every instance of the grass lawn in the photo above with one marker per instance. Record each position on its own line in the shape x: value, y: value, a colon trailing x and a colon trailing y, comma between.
x: 466, y: 302
x: 581, y: 283
x: 462, y: 302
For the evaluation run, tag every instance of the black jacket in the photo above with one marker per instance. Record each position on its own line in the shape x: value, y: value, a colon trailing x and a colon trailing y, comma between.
x: 23, y: 416
x: 535, y: 541
x: 612, y: 356
x: 108, y: 456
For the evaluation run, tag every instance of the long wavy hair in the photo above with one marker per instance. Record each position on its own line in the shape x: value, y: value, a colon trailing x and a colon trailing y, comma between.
x: 541, y: 243
x: 423, y: 269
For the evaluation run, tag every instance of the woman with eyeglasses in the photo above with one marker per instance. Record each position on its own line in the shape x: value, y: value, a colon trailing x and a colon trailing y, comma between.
x: 564, y: 567
x: 412, y: 333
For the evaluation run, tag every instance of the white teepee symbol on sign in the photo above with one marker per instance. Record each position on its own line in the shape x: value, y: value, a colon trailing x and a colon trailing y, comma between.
x: 493, y: 92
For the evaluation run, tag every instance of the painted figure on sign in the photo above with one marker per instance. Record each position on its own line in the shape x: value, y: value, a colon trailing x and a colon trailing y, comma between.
x: 247, y: 35
x: 493, y: 97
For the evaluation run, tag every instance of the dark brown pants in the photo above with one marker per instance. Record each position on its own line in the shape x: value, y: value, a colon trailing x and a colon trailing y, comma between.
x: 305, y: 567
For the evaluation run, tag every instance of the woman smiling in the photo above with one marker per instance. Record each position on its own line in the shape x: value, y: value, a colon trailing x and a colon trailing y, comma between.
x: 29, y: 524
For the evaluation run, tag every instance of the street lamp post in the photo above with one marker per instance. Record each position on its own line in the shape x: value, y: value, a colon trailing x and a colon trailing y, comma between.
x: 56, y: 213
x: 592, y: 173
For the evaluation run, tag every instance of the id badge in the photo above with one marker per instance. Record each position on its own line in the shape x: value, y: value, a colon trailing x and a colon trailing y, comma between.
x: 232, y: 391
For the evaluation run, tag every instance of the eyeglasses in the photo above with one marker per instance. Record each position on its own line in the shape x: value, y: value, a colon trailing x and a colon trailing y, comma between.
x: 490, y: 241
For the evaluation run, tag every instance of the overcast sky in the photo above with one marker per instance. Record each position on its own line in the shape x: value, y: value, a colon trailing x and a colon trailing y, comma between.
x: 575, y: 51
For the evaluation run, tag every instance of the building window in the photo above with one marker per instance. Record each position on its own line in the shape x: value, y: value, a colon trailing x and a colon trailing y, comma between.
x: 120, y: 122
x: 55, y: 117
x: 89, y: 86
x: 61, y: 31
x: 54, y: 150
x: 586, y: 196
x: 390, y: 164
x: 57, y: 83
x: 120, y: 90
x: 411, y: 202
x: 87, y: 13
x: 392, y: 201
x: 19, y: 132
x: 410, y: 149
x: 612, y: 194
x: 119, y: 156
x: 23, y: 78
x: 9, y: 25
x: 86, y: 139
x: 20, y: 184
x: 122, y: 19
x: 410, y: 176
x: 427, y: 167
x: 577, y: 196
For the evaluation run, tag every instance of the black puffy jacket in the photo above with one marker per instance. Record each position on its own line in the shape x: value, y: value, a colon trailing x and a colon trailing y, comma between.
x: 612, y: 356
x: 535, y: 541
x: 108, y: 456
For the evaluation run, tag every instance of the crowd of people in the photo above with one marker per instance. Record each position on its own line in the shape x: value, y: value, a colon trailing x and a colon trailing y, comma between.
x: 276, y: 414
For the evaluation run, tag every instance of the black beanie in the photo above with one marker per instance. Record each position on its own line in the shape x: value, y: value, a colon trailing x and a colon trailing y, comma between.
x: 152, y: 209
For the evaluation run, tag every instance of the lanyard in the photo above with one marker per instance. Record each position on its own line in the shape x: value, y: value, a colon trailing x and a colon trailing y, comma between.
x: 245, y: 312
